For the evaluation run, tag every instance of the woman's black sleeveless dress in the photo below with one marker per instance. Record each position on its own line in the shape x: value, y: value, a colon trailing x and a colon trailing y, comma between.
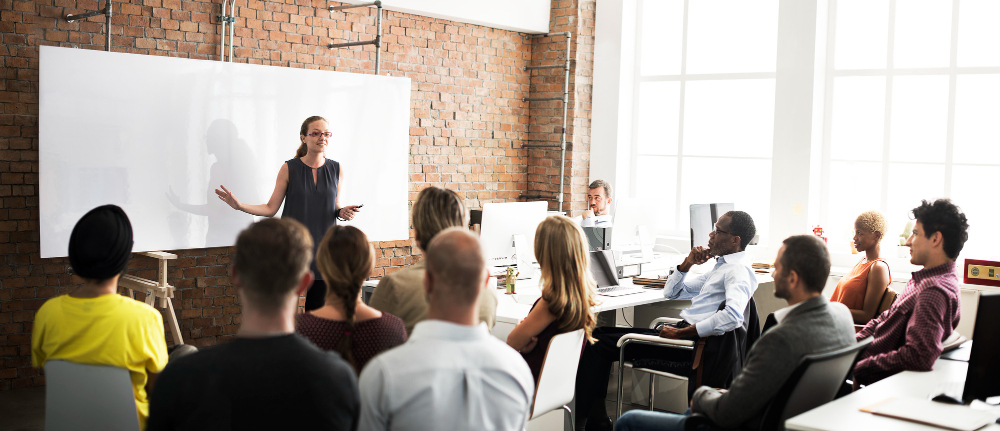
x: 313, y: 204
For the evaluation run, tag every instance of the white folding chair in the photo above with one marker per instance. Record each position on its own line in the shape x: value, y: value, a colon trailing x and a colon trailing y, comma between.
x: 88, y: 397
x: 557, y: 379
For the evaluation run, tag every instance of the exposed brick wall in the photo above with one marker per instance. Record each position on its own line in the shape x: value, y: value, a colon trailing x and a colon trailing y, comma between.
x: 467, y: 125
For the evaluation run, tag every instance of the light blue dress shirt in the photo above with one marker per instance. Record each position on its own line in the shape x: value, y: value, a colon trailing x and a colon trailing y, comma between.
x: 446, y: 376
x: 731, y: 280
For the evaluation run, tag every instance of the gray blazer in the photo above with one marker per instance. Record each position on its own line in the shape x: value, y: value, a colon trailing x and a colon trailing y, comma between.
x: 815, y: 326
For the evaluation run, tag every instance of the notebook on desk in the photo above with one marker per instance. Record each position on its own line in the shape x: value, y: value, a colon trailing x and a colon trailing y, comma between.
x: 947, y: 416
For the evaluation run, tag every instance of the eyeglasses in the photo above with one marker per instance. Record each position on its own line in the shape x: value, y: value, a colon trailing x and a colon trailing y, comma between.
x: 718, y: 231
x: 318, y: 134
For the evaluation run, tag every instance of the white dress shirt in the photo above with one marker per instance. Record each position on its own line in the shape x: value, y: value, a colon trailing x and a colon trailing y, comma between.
x: 597, y: 221
x: 731, y: 280
x: 446, y: 376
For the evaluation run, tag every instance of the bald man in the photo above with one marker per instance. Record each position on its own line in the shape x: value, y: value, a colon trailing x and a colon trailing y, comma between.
x: 451, y: 370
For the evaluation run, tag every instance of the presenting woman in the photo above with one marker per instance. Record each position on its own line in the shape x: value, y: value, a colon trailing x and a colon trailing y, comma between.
x: 861, y: 290
x: 308, y: 184
x: 567, y: 291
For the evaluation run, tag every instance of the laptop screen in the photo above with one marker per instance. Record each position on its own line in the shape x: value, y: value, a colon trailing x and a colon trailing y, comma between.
x: 602, y: 266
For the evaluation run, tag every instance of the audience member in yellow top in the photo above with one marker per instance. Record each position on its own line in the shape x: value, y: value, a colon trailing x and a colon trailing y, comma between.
x: 95, y: 325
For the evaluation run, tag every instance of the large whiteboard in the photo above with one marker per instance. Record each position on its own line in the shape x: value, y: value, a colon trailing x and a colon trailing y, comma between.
x: 156, y: 135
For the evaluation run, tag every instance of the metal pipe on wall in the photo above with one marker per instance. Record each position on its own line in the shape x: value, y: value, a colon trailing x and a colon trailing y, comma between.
x: 565, y: 115
x: 107, y: 21
x: 223, y: 19
x: 378, y: 36
x: 232, y: 27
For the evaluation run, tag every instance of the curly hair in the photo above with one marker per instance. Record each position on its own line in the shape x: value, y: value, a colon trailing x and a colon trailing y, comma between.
x: 872, y: 221
x: 947, y: 218
x: 741, y: 225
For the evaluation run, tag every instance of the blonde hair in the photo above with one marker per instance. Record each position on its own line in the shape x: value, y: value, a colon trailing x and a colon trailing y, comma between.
x: 568, y: 285
x: 345, y: 260
x: 872, y: 221
x: 303, y: 149
x: 435, y: 210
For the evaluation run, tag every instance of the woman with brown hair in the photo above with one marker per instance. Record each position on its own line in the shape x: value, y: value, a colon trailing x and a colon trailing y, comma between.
x: 861, y: 290
x: 308, y: 184
x: 567, y: 291
x: 345, y: 324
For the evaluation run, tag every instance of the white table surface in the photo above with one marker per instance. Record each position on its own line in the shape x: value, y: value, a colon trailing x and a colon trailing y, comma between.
x: 844, y: 413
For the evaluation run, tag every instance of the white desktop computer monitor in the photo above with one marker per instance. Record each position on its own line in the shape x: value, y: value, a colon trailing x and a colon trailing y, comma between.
x: 503, y: 220
x: 633, y: 216
x: 703, y: 218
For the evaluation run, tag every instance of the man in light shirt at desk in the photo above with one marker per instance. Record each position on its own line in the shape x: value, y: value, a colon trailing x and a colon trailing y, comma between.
x: 731, y: 282
x: 599, y: 199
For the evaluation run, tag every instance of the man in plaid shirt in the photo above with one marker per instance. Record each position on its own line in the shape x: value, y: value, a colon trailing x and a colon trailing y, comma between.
x: 909, y: 335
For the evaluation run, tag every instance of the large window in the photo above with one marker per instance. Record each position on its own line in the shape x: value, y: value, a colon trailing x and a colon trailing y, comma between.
x: 704, y: 106
x: 912, y: 112
x: 906, y: 95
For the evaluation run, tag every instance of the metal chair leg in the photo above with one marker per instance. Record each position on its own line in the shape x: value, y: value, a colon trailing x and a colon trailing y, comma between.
x: 652, y: 392
x: 569, y: 417
x: 621, y: 375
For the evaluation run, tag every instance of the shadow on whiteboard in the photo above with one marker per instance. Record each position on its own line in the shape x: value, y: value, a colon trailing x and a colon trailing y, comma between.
x: 234, y: 167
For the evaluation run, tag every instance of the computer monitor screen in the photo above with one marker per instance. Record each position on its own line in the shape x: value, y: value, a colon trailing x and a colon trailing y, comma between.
x: 630, y: 214
x: 703, y: 218
x: 983, y: 378
x: 603, y: 268
x: 503, y: 220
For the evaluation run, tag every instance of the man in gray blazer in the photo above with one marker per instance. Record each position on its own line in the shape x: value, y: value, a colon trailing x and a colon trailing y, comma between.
x: 809, y: 324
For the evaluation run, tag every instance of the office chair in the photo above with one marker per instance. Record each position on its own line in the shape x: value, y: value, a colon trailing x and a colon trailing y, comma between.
x: 557, y: 378
x: 88, y: 397
x: 734, y: 345
x: 814, y: 382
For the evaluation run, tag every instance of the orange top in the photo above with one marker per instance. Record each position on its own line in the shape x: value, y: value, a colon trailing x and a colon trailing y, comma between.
x: 851, y: 289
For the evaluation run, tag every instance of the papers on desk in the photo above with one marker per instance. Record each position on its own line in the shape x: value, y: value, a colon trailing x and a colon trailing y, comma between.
x: 948, y: 416
x: 648, y: 282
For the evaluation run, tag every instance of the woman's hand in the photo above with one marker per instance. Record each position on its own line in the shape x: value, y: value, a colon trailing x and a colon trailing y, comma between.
x: 531, y: 345
x: 349, y: 211
x: 228, y: 198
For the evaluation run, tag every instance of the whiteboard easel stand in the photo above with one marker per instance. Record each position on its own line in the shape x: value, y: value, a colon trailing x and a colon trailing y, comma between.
x: 107, y: 24
x: 156, y: 290
x: 231, y: 20
x: 565, y: 103
x: 378, y: 36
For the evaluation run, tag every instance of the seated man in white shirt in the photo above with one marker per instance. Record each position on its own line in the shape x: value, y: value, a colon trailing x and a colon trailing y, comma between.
x: 598, y: 212
x: 451, y: 373
x: 730, y: 282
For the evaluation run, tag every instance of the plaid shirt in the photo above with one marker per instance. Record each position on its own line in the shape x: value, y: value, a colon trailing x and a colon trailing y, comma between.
x: 909, y: 335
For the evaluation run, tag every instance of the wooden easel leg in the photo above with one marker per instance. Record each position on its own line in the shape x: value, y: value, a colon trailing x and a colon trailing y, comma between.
x: 172, y: 318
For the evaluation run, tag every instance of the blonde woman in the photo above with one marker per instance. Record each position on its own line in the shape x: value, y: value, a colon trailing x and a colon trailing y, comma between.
x: 344, y: 323
x: 862, y: 289
x: 567, y: 291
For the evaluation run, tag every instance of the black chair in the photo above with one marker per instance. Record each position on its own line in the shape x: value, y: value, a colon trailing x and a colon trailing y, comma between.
x: 814, y: 382
x: 716, y: 360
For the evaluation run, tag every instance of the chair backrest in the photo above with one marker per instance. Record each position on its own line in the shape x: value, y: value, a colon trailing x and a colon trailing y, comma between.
x: 887, y: 299
x: 814, y: 382
x: 81, y: 396
x: 557, y: 379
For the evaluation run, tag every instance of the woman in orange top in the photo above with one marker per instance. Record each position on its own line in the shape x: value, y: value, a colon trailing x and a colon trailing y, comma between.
x: 861, y: 290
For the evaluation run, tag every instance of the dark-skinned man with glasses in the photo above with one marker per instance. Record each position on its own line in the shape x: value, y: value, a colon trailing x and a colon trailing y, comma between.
x: 730, y: 281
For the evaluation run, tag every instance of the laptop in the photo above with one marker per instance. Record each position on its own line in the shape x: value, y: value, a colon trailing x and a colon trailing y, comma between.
x: 602, y: 266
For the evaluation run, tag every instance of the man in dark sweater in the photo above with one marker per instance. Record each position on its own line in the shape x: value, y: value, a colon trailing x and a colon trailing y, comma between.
x: 268, y: 377
x: 809, y: 324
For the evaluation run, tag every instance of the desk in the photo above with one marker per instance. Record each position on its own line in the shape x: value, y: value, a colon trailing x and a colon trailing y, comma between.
x: 843, y: 414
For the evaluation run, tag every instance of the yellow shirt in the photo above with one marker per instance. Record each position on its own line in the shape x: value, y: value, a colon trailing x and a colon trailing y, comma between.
x: 107, y: 330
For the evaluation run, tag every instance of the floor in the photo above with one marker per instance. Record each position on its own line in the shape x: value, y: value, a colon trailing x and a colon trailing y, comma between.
x: 22, y: 409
